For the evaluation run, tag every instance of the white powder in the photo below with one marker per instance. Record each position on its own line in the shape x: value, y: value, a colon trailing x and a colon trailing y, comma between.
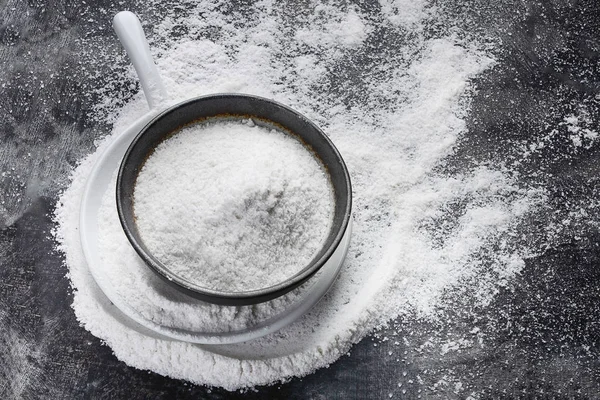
x: 156, y: 301
x: 417, y: 232
x: 232, y: 206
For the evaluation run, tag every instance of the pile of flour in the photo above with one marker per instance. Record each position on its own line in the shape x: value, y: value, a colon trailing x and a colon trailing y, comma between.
x: 233, y: 206
x: 152, y: 299
x: 392, y: 95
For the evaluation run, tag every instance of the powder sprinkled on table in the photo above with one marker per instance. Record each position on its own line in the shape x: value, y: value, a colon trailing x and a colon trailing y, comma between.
x: 418, y: 230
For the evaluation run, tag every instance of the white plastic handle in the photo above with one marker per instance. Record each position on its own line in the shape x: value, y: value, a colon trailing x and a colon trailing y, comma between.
x: 129, y: 30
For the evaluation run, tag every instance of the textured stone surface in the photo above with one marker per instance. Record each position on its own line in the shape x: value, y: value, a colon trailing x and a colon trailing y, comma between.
x: 540, y: 336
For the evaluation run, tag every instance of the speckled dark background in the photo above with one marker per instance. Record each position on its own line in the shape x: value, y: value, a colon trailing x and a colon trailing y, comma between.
x: 542, y: 332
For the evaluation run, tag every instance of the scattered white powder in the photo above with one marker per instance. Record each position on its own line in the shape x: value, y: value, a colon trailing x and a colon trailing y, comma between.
x: 409, y: 14
x: 579, y: 134
x: 417, y: 232
x: 233, y: 206
x: 576, y: 132
x: 346, y: 30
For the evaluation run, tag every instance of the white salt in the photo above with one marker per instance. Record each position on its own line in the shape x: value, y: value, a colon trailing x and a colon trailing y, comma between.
x: 233, y: 206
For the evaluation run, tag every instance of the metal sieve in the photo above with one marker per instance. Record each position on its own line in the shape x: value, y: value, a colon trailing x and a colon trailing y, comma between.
x: 262, y: 111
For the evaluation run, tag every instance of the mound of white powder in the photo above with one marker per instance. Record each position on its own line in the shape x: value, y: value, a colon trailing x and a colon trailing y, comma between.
x: 233, y: 206
x: 417, y: 232
x: 156, y: 301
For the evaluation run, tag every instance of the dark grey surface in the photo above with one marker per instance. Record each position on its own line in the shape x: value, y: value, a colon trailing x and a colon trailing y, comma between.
x: 542, y: 333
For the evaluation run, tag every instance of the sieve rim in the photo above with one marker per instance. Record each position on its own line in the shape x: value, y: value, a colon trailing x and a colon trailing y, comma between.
x: 181, y: 114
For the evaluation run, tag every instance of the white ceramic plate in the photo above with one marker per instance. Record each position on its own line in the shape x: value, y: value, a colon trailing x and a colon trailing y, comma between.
x: 96, y: 186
